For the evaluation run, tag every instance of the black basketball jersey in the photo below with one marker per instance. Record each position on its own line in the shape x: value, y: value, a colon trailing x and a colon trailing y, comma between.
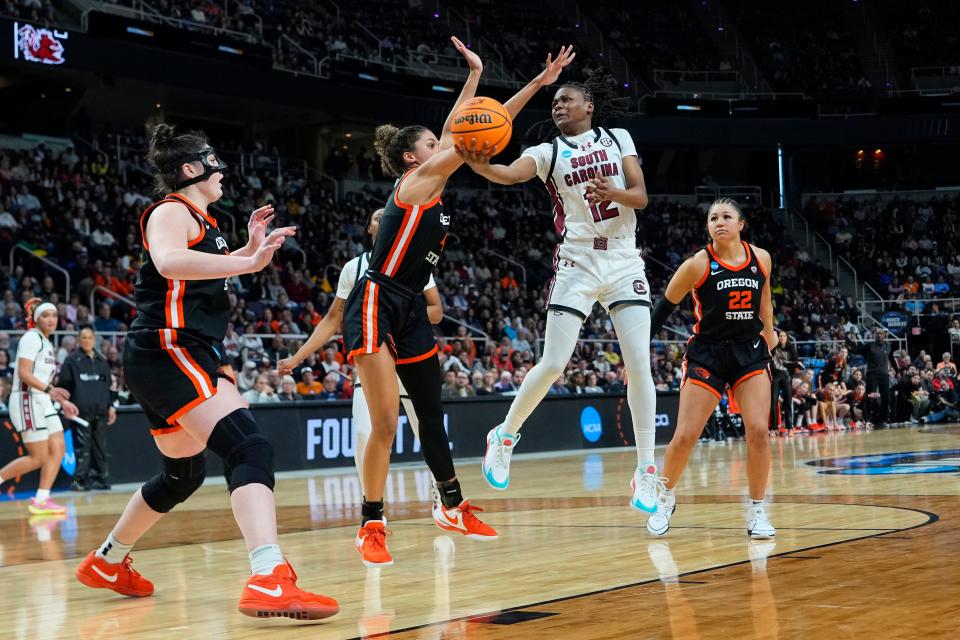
x: 410, y: 240
x: 726, y: 301
x: 198, y: 306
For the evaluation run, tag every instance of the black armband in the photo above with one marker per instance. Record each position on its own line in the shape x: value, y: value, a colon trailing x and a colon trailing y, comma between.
x: 661, y: 312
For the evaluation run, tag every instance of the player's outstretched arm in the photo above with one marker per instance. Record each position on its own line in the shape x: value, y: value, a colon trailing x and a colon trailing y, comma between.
x: 523, y: 168
x: 322, y: 334
x: 551, y: 72
x: 469, y: 89
x: 686, y: 277
x: 168, y: 234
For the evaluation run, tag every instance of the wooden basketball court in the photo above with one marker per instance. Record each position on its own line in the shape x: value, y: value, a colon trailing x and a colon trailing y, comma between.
x: 871, y: 552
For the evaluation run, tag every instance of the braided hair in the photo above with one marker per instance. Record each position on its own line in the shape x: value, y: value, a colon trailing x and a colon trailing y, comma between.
x: 600, y: 88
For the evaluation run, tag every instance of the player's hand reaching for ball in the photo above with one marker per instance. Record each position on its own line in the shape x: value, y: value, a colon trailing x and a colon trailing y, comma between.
x: 553, y: 67
x: 473, y: 60
x: 474, y: 155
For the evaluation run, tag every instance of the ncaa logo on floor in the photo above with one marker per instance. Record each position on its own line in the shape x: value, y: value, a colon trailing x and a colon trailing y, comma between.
x: 885, y: 464
x: 590, y: 424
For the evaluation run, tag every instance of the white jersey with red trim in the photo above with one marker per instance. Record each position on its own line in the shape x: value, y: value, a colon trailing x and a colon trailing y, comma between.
x: 355, y: 268
x: 39, y: 350
x: 567, y: 164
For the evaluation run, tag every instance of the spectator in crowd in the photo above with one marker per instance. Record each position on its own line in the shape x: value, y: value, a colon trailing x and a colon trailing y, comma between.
x: 308, y: 387
x: 946, y: 405
x: 6, y: 371
x: 248, y: 376
x: 592, y: 385
x: 946, y: 361
x: 559, y: 387
x: 505, y: 385
x: 4, y: 395
x: 488, y: 387
x: 105, y: 322
x: 878, y: 359
x: 330, y: 360
x: 449, y: 388
x: 87, y: 376
x: 288, y: 390
x: 577, y: 382
x: 785, y: 360
x: 329, y: 390
x: 262, y: 392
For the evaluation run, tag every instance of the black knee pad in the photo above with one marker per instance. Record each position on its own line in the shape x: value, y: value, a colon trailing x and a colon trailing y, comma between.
x: 247, y: 455
x: 177, y: 482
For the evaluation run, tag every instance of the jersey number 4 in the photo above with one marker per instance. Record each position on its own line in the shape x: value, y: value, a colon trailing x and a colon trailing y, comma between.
x: 740, y: 299
x: 604, y: 211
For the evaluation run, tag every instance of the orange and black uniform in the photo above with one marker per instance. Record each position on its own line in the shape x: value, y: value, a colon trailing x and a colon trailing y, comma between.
x: 387, y: 305
x: 727, y: 345
x: 172, y: 356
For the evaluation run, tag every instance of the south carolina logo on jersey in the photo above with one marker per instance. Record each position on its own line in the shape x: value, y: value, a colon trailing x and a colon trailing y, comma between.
x: 568, y: 164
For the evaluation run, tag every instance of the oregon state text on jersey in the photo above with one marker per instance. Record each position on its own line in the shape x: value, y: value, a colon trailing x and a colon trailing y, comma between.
x: 566, y: 167
x: 726, y: 300
x: 199, y: 306
x: 410, y: 240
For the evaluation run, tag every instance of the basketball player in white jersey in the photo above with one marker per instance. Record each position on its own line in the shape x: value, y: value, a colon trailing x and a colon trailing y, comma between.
x: 330, y: 325
x: 31, y: 407
x: 594, y: 179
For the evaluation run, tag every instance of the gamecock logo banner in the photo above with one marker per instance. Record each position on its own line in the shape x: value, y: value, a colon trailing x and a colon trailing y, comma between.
x: 38, y: 44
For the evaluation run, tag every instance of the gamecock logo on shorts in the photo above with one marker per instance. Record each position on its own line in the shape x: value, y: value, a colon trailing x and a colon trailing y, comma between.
x: 37, y: 44
x: 701, y: 372
x: 639, y: 287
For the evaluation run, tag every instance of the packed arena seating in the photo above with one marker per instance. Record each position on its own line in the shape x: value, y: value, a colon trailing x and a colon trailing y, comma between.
x: 81, y: 212
x: 906, y: 248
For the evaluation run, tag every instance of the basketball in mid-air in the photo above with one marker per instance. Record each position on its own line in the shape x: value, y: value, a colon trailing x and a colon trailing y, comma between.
x: 485, y: 120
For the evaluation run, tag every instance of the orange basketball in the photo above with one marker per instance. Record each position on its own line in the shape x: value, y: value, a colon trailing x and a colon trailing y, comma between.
x: 484, y: 119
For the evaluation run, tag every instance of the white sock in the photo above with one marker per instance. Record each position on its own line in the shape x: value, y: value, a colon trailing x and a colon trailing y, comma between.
x: 632, y: 323
x: 42, y: 494
x: 264, y: 559
x: 560, y: 339
x: 113, y: 551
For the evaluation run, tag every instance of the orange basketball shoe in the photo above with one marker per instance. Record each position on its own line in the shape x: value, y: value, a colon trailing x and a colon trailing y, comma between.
x: 461, y: 520
x: 278, y: 596
x: 97, y: 573
x: 372, y: 544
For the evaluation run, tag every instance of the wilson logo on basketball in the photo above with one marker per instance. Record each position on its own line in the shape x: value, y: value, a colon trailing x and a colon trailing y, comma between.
x: 474, y: 118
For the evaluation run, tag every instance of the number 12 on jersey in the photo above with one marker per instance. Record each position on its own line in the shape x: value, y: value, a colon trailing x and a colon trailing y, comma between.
x: 604, y: 211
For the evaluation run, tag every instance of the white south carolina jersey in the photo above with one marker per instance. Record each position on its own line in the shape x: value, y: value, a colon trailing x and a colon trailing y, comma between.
x: 355, y: 268
x: 566, y: 166
x: 33, y: 346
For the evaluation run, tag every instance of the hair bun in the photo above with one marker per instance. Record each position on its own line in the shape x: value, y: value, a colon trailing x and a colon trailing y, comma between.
x: 161, y: 132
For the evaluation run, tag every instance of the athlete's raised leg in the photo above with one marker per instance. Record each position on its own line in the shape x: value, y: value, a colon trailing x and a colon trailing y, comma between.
x: 563, y: 330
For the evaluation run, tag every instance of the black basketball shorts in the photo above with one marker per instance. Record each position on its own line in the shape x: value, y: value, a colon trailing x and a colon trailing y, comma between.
x: 714, y: 365
x: 169, y: 373
x: 379, y: 312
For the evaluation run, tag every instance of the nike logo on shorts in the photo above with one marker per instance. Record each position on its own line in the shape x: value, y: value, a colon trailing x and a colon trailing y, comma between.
x: 757, y: 344
x: 103, y: 575
x: 274, y: 593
